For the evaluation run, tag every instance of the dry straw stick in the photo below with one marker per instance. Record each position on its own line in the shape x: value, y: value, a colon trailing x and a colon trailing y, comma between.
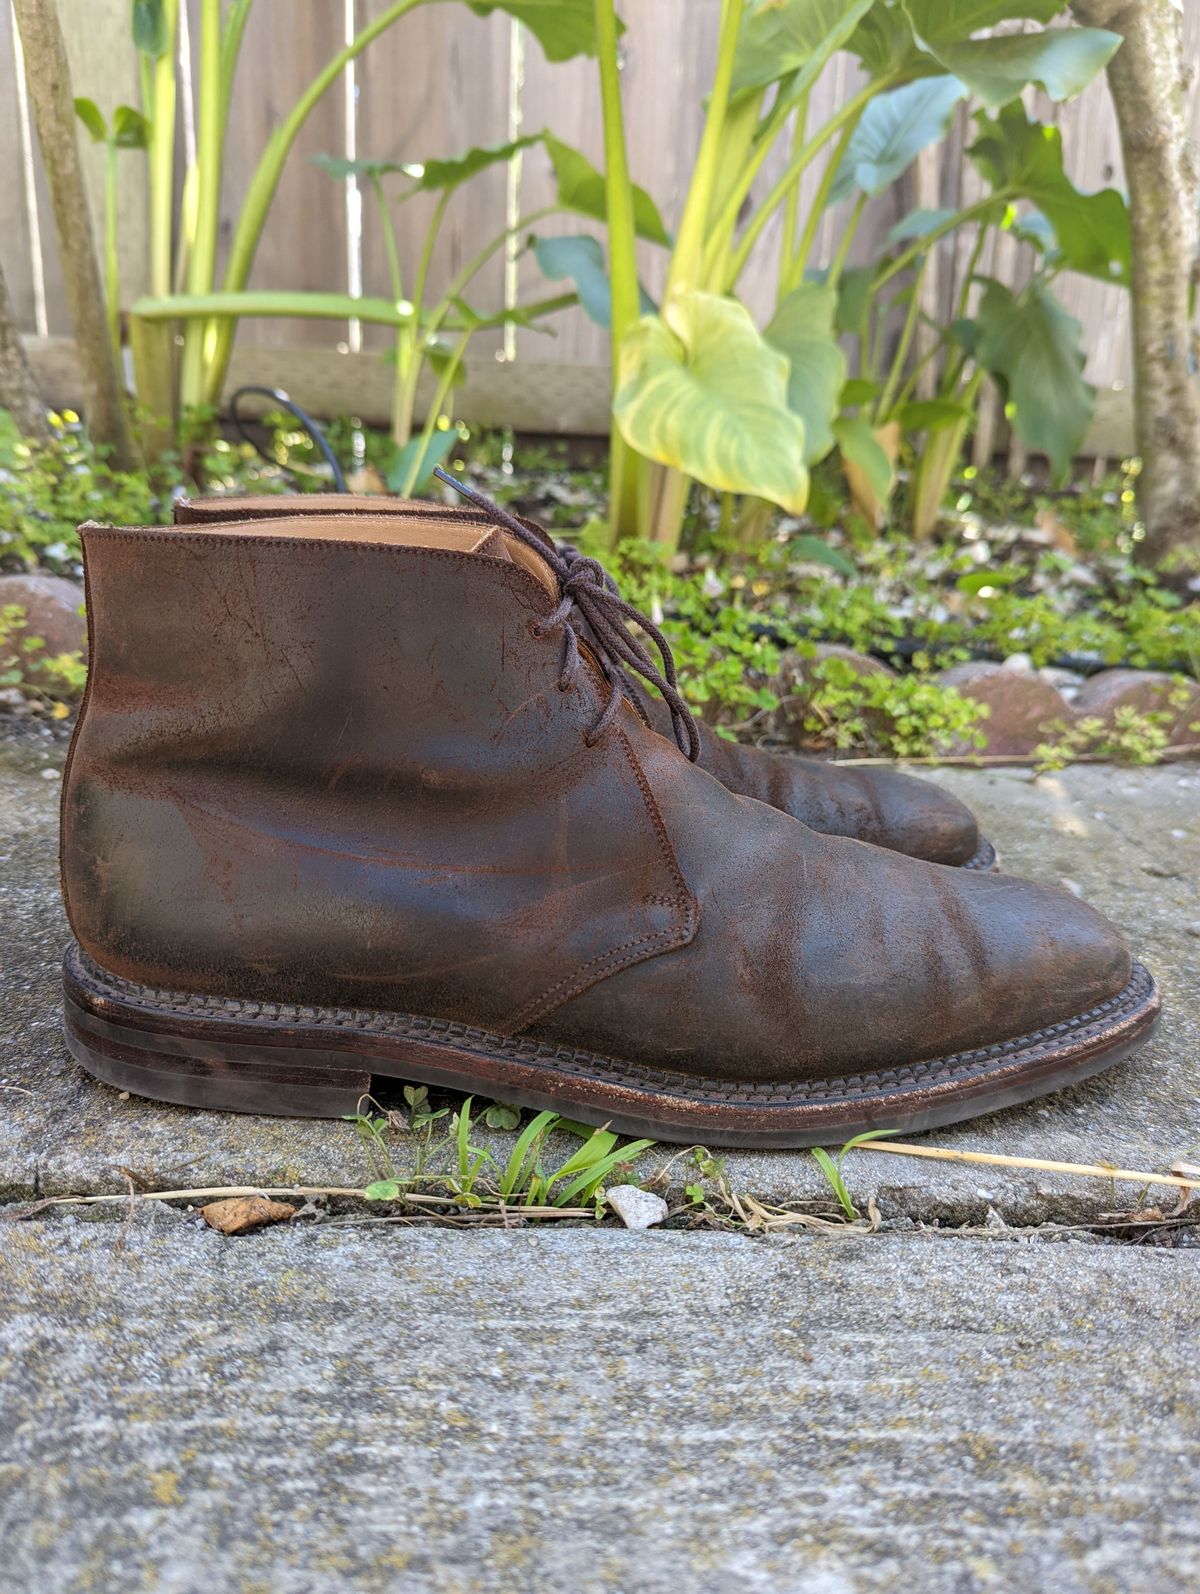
x: 1087, y: 1170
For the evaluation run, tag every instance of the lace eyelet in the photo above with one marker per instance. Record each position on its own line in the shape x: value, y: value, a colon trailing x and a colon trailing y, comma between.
x: 536, y: 631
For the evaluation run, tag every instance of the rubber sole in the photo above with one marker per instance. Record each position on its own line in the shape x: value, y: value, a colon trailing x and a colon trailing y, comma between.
x: 317, y: 1062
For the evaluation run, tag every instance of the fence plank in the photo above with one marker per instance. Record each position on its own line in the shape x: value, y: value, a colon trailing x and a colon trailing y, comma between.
x: 436, y: 84
x: 304, y: 242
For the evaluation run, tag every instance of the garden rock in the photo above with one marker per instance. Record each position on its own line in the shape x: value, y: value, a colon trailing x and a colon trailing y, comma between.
x: 637, y: 1208
x: 1022, y: 707
x: 1145, y: 692
x: 52, y: 606
x: 794, y: 685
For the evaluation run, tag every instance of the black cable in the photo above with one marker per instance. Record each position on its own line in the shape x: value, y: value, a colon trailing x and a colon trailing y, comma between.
x: 306, y: 421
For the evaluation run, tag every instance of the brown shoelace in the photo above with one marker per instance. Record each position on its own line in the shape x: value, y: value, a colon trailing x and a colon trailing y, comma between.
x: 589, y: 591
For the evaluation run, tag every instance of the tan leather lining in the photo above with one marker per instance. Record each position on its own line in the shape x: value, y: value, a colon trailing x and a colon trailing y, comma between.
x: 405, y: 531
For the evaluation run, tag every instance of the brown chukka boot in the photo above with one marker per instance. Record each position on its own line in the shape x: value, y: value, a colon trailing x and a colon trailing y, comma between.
x: 349, y: 797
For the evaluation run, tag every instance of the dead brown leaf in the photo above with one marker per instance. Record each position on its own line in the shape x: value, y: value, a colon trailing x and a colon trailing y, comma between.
x: 1061, y: 536
x: 240, y: 1213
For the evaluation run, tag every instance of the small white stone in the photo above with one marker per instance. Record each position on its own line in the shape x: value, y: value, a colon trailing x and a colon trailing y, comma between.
x: 1072, y: 886
x: 1020, y: 662
x: 637, y: 1209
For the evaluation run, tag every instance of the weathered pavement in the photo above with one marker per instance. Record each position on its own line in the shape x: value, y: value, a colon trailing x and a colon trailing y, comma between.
x: 310, y: 1411
x: 346, y: 1405
x: 1129, y: 840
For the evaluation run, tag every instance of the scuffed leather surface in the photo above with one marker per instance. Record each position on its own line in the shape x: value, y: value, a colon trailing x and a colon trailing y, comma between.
x: 348, y: 775
x: 817, y: 953
x: 882, y: 806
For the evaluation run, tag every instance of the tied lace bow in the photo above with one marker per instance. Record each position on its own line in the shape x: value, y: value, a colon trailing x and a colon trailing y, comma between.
x: 589, y: 592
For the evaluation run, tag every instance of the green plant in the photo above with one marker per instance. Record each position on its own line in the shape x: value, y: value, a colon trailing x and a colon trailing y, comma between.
x: 833, y: 1170
x: 698, y: 391
x: 183, y: 279
x: 421, y: 328
x: 522, y: 1183
x: 129, y: 130
x: 48, y: 679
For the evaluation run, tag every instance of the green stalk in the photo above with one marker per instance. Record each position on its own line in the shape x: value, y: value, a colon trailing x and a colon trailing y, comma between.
x: 409, y: 342
x: 884, y: 407
x: 112, y: 269
x: 627, y: 471
x: 843, y: 122
x: 687, y: 258
x: 820, y: 203
x: 838, y: 264
x: 396, y: 282
x: 152, y: 345
x: 202, y: 257
x: 935, y: 469
x: 231, y: 49
x: 162, y: 157
x: 435, y: 409
x: 737, y: 142
x: 669, y: 489
x: 1001, y: 196
x: 263, y: 184
x: 791, y: 209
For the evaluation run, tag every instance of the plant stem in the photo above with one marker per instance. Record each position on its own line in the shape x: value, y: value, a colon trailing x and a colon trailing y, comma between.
x: 791, y: 209
x: 112, y: 269
x: 884, y: 406
x: 839, y: 260
x: 843, y: 119
x: 434, y: 411
x: 688, y: 254
x: 263, y: 184
x: 625, y: 470
x: 999, y: 196
x: 200, y: 337
x: 162, y: 157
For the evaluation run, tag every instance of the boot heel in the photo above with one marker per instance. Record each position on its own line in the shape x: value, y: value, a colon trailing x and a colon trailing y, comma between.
x: 159, y: 1055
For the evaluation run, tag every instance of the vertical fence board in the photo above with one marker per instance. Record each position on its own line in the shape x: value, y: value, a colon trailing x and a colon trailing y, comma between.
x: 436, y: 84
x: 304, y: 242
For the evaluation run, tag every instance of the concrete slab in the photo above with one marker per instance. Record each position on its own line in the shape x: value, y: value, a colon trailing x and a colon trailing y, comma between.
x: 315, y: 1410
x: 1128, y: 840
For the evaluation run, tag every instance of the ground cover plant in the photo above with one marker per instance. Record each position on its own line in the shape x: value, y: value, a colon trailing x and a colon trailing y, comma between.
x: 1043, y: 573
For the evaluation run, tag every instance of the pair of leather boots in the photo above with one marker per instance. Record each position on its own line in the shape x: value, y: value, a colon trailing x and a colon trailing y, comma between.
x: 368, y: 788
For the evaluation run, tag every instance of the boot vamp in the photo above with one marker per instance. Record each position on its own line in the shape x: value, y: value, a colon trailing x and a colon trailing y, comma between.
x: 882, y: 806
x: 819, y: 956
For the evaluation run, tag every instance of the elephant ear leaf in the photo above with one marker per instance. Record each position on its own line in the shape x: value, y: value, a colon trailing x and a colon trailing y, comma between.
x: 700, y: 389
x: 582, y: 260
x: 1063, y: 61
x: 803, y: 329
x: 563, y: 28
x: 782, y: 37
x: 894, y: 129
x: 581, y: 188
x: 1031, y: 344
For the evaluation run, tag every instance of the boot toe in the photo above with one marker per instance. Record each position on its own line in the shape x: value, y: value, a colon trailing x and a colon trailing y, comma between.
x: 918, y: 818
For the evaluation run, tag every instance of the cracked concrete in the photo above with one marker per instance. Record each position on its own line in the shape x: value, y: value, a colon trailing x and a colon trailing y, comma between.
x: 319, y: 1409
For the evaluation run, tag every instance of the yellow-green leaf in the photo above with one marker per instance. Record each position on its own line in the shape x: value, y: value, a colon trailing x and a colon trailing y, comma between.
x: 700, y: 389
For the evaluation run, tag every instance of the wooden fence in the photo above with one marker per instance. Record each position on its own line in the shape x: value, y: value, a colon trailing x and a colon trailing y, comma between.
x: 438, y: 81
